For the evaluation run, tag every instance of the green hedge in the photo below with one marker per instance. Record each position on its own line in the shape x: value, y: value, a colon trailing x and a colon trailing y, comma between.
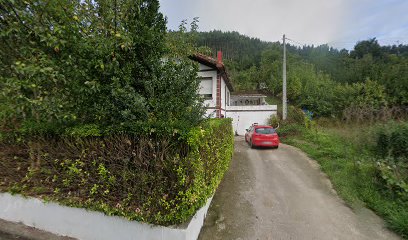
x: 156, y: 178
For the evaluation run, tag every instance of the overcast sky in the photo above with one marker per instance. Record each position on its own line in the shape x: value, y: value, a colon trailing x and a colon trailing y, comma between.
x: 341, y: 23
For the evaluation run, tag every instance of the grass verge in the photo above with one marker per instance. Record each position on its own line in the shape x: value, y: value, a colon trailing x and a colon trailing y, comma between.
x: 344, y: 154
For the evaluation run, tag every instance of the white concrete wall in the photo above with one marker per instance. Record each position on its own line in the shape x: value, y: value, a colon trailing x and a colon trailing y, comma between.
x: 244, y: 116
x: 89, y: 225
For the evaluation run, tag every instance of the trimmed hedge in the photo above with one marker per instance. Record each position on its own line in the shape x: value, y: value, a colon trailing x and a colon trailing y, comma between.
x: 156, y: 178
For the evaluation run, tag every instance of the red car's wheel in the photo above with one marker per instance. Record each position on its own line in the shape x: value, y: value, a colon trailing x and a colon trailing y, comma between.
x: 251, y: 144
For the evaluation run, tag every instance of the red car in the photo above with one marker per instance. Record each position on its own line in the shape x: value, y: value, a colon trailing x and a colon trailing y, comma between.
x: 262, y: 136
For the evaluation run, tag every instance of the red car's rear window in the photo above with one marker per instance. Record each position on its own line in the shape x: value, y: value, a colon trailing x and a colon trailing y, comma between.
x: 265, y: 130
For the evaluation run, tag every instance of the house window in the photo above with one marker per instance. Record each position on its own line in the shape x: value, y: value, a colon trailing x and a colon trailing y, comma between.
x: 206, y: 87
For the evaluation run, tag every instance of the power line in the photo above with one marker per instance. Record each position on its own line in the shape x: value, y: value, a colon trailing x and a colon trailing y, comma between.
x: 387, y: 41
x: 295, y: 42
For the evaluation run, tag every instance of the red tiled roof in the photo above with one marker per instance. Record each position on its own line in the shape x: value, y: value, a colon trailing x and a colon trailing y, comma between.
x: 213, y: 63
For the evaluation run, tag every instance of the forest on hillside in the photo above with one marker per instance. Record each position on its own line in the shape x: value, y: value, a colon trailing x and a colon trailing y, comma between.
x: 370, y: 78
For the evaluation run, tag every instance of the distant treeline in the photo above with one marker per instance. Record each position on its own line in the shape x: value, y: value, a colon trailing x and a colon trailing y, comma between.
x: 321, y: 78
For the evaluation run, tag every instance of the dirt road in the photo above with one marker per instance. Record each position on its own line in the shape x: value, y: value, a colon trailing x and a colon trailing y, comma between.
x: 281, y: 194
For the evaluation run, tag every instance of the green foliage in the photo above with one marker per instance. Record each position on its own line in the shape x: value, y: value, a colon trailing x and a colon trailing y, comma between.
x: 273, y: 121
x: 296, y: 115
x: 101, y: 103
x: 363, y: 48
x: 399, y: 142
x: 392, y: 166
x: 31, y: 127
x: 173, y: 97
x: 383, y: 144
x: 321, y: 79
x: 288, y: 130
x: 74, y: 63
x: 244, y: 51
x: 211, y: 149
x: 160, y: 177
x: 359, y: 174
x: 392, y: 141
x: 84, y: 131
x: 295, y: 124
x: 369, y: 93
x: 393, y: 176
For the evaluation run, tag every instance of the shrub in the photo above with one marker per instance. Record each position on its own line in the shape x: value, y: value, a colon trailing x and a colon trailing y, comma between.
x: 383, y: 144
x: 296, y: 115
x: 399, y: 142
x: 392, y: 140
x: 295, y: 123
x: 290, y: 130
x: 273, y: 121
x: 104, y: 72
x: 392, y: 164
x: 84, y: 131
x: 155, y: 177
x: 393, y: 177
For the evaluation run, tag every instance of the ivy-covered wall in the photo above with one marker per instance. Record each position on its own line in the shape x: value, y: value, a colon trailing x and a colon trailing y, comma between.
x: 155, y: 177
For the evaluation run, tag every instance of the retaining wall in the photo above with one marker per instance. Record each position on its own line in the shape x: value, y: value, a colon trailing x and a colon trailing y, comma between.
x: 89, y: 225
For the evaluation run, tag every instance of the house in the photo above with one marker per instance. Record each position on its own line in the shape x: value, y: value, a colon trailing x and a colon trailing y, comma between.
x: 216, y: 88
x: 215, y: 85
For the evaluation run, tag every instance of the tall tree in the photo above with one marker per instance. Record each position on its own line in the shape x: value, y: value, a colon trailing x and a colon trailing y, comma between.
x: 87, y: 62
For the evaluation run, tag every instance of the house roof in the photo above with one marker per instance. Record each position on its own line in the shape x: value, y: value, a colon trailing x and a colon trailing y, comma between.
x: 213, y: 63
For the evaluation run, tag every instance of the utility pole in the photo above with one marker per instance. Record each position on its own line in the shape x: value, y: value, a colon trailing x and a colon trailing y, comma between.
x: 284, y: 101
x: 398, y: 53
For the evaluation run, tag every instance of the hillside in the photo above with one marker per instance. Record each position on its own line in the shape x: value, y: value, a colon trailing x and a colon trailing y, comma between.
x: 235, y: 47
x: 323, y: 79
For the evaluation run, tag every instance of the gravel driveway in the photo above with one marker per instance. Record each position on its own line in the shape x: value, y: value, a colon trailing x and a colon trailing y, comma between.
x: 282, y: 194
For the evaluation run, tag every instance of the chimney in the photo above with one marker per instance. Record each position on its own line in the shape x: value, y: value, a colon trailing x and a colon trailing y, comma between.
x: 219, y: 56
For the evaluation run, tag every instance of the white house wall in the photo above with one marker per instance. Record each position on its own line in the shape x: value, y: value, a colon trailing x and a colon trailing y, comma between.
x: 204, y: 67
x: 223, y: 105
x: 244, y: 116
x: 205, y: 72
x: 225, y: 100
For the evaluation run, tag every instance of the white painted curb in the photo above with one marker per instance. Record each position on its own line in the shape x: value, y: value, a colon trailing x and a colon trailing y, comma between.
x: 89, y: 225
